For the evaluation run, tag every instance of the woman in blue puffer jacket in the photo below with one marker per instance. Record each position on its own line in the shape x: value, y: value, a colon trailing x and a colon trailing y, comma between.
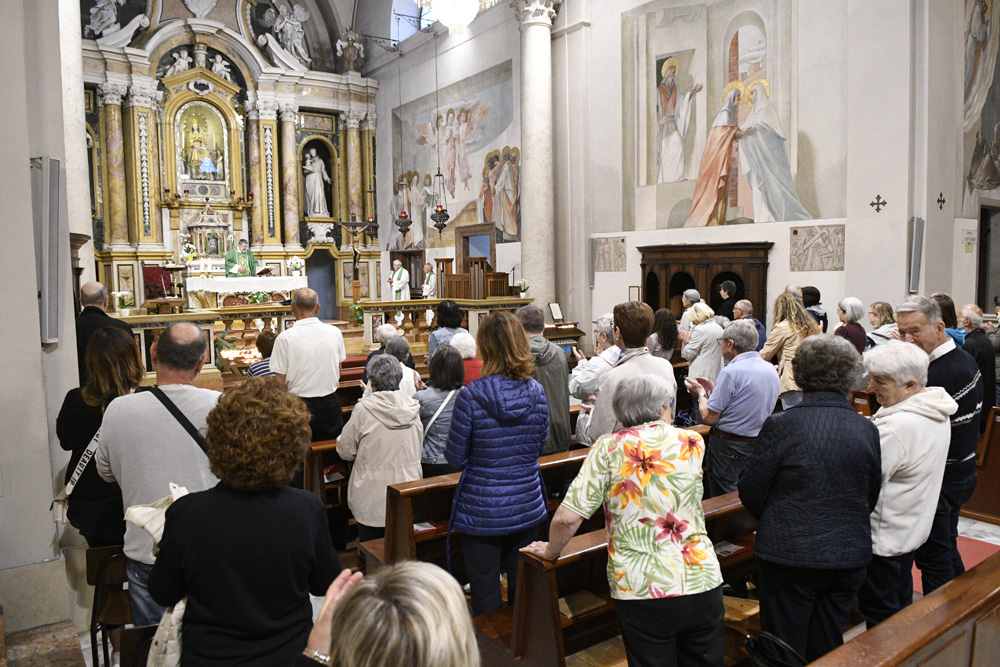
x: 498, y: 430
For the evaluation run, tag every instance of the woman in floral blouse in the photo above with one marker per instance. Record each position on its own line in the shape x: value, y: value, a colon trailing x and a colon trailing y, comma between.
x: 662, y: 568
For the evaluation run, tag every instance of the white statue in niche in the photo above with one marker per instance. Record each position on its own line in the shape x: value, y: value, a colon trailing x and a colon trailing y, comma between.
x: 221, y: 68
x: 104, y: 17
x: 287, y: 24
x: 182, y: 63
x: 316, y: 177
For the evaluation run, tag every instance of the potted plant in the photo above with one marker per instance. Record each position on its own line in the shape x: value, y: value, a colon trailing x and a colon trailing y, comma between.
x: 357, y: 314
x: 523, y: 286
x: 295, y: 265
x: 123, y: 300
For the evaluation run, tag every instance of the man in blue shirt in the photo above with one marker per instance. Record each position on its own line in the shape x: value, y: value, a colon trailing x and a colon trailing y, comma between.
x: 743, y: 310
x: 735, y: 406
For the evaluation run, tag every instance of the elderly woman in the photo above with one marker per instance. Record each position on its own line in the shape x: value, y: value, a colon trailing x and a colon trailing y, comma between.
x: 701, y: 344
x: 914, y: 433
x: 248, y: 552
x: 382, y: 335
x: 791, y: 325
x: 384, y: 438
x: 850, y: 311
x: 812, y: 482
x: 436, y: 405
x: 466, y: 346
x: 449, y: 322
x: 398, y: 348
x: 881, y: 317
x: 662, y: 569
x: 661, y: 341
x: 688, y: 299
x: 499, y: 428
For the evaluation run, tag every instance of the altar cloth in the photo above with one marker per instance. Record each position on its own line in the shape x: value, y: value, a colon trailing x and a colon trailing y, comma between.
x: 248, y: 284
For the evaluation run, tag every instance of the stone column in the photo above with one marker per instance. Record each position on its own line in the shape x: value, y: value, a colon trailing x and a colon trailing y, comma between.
x: 536, y: 180
x: 368, y: 128
x: 253, y: 156
x: 111, y: 95
x: 354, y: 195
x: 289, y: 177
x: 142, y: 173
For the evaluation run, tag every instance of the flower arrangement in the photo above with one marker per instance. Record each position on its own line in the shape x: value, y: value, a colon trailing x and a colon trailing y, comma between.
x: 523, y: 285
x: 357, y: 314
x: 259, y: 297
x: 188, y: 249
x: 123, y: 299
x: 296, y: 263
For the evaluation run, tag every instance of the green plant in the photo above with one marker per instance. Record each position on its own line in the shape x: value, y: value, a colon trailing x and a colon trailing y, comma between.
x: 259, y: 297
x: 357, y: 314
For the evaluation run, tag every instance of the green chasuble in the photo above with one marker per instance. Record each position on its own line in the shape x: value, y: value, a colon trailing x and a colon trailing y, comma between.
x: 240, y: 264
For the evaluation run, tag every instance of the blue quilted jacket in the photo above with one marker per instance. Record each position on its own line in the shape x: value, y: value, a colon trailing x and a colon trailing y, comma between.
x: 499, y: 428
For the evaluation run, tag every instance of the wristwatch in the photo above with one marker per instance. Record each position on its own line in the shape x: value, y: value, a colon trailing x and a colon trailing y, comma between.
x: 313, y: 654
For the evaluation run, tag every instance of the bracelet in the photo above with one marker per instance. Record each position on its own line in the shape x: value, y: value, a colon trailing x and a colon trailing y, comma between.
x: 313, y: 654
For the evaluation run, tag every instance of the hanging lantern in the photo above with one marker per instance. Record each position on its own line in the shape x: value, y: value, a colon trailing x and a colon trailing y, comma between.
x: 440, y: 215
x: 403, y: 222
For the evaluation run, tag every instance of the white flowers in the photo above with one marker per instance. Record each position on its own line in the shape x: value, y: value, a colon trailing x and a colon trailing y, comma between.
x: 123, y: 299
x: 523, y: 285
x: 296, y: 263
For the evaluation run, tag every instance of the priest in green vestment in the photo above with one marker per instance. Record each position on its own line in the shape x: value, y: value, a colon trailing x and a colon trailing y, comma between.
x: 240, y: 262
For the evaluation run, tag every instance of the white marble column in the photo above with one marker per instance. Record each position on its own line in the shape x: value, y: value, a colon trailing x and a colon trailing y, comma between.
x: 536, y: 180
x: 289, y: 177
x: 354, y: 195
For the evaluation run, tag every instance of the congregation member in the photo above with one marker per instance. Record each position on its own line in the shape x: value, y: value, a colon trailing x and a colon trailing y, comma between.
x: 812, y: 482
x: 977, y: 344
x: 727, y: 290
x: 949, y: 316
x: 307, y: 357
x: 152, y: 438
x: 248, y: 552
x: 399, y: 282
x: 384, y: 438
x: 430, y: 286
x: 920, y: 322
x: 914, y: 432
x: 795, y: 291
x: 552, y: 372
x: 265, y: 345
x: 662, y: 568
x: 735, y: 406
x: 466, y: 346
x: 701, y: 343
x: 792, y: 324
x: 850, y: 311
x: 114, y: 368
x: 437, y: 401
x: 499, y: 428
x: 382, y: 335
x: 664, y: 337
x: 633, y: 322
x: 94, y: 316
x: 743, y: 310
x: 398, y: 348
x: 410, y: 613
x: 883, y: 321
x: 688, y: 298
x: 585, y: 378
x: 449, y: 323
x: 811, y: 300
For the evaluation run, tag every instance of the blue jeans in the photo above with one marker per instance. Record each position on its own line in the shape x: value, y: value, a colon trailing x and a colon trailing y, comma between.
x: 938, y: 559
x: 144, y: 610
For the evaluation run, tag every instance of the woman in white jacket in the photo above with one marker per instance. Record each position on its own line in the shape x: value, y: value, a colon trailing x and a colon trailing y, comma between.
x: 914, y: 433
x: 701, y: 344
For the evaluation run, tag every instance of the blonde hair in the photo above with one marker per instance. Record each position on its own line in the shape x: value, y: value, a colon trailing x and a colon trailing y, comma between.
x: 883, y: 313
x: 701, y: 312
x: 787, y: 307
x: 410, y: 614
x: 503, y: 346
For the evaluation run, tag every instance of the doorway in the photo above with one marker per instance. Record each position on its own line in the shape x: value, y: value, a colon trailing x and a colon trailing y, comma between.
x: 988, y: 278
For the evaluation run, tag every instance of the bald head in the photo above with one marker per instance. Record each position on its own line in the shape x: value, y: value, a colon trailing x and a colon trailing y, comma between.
x: 181, y: 347
x: 305, y: 303
x: 970, y: 317
x: 94, y: 294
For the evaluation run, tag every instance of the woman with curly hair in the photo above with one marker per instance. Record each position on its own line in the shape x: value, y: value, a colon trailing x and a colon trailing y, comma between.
x: 881, y: 317
x: 792, y: 324
x: 248, y: 552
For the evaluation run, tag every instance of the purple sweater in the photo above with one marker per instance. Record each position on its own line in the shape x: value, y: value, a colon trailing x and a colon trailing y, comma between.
x: 853, y: 333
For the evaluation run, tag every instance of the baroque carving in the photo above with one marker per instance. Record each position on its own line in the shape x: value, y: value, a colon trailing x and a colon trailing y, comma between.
x: 370, y: 122
x: 142, y: 95
x: 287, y: 26
x: 353, y: 119
x: 289, y: 113
x: 112, y: 93
x: 269, y: 178
x: 536, y: 11
x: 147, y: 228
x: 200, y: 8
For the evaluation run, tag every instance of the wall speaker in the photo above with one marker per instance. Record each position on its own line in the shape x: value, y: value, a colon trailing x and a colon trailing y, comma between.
x: 45, y: 208
x: 916, y: 253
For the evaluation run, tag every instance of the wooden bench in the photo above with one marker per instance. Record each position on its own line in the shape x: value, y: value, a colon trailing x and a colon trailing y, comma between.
x: 957, y: 625
x: 984, y: 505
x: 534, y: 632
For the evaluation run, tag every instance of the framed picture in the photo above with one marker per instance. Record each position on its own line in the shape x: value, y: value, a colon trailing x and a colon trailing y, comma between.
x: 635, y: 293
x: 556, y: 311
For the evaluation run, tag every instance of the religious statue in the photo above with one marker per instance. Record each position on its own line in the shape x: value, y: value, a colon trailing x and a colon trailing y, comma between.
x: 316, y: 177
x: 240, y: 263
x: 182, y: 63
x: 399, y: 282
x: 221, y: 68
x: 287, y: 24
x: 104, y: 18
x: 196, y: 152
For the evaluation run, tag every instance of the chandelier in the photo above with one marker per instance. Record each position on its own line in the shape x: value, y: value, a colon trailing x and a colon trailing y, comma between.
x: 456, y: 14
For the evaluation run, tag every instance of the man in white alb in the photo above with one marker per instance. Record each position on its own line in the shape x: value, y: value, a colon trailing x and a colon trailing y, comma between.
x: 399, y: 282
x: 430, y: 287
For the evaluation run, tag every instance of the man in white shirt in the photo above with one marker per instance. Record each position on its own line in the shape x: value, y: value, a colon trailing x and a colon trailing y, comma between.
x: 584, y: 379
x: 399, y: 282
x: 307, y: 358
x: 430, y: 287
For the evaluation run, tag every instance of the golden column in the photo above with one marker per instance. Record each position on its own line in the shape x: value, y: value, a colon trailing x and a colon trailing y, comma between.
x: 354, y: 195
x: 111, y: 95
x: 289, y: 175
x: 368, y: 126
x: 256, y: 181
x: 142, y: 171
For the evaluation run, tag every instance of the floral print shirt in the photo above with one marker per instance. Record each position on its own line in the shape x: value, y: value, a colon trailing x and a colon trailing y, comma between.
x: 649, y: 480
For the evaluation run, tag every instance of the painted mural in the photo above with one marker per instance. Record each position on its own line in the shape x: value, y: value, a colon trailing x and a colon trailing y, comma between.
x: 469, y: 135
x: 981, y: 97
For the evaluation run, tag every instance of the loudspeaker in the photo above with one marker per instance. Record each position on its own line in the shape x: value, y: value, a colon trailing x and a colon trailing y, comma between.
x: 916, y: 253
x: 45, y: 208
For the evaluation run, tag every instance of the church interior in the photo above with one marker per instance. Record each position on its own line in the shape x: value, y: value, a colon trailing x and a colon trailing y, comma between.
x: 572, y: 154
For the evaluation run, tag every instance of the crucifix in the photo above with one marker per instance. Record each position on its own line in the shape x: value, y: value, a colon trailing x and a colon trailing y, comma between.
x: 356, y: 228
x: 941, y: 201
x: 878, y: 204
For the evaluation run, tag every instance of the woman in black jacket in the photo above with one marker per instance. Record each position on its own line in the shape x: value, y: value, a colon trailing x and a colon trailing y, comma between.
x: 114, y: 369
x: 812, y: 483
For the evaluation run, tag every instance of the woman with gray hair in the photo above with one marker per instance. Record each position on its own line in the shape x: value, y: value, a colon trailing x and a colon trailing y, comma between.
x: 812, y: 482
x: 466, y: 346
x: 851, y: 310
x: 914, y: 433
x: 384, y: 438
x: 688, y: 299
x: 662, y: 568
x: 398, y: 348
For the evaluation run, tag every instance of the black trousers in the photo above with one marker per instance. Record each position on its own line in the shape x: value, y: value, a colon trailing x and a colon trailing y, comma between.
x: 327, y: 416
x: 809, y: 609
x: 724, y: 463
x: 484, y: 557
x: 938, y: 559
x: 366, y: 533
x: 888, y: 587
x: 436, y: 469
x: 683, y: 630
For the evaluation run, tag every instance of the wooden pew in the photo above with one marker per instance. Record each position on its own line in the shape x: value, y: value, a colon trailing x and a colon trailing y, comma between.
x: 534, y: 633
x: 984, y: 505
x: 957, y: 625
